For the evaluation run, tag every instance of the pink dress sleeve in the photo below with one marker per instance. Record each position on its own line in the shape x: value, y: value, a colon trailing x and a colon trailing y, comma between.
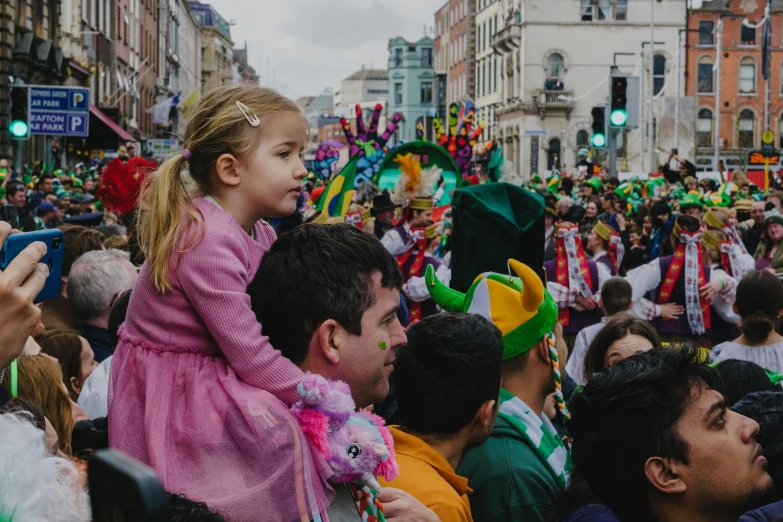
x: 214, y: 278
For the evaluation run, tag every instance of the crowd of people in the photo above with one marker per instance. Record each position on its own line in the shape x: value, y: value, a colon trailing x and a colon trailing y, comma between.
x: 273, y: 364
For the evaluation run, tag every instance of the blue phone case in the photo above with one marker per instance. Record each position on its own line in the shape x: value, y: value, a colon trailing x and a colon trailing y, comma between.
x: 15, y: 243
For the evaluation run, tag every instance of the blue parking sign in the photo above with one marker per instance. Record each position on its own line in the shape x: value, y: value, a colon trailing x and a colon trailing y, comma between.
x: 59, y: 111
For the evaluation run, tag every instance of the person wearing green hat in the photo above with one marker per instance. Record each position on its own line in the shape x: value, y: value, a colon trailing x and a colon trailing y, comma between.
x: 593, y: 187
x: 690, y: 205
x: 769, y: 254
x: 518, y: 473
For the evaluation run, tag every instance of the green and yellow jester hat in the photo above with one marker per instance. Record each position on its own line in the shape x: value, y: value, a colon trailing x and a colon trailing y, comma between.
x: 521, y: 308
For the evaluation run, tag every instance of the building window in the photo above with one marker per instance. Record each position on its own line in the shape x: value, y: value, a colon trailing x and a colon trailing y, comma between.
x: 746, y: 127
x: 398, y: 57
x: 748, y: 35
x: 426, y: 93
x: 426, y: 57
x: 659, y: 73
x: 704, y: 74
x: 706, y: 32
x: 554, y: 66
x: 495, y: 76
x: 398, y: 94
x: 478, y: 38
x: 747, y: 76
x: 621, y: 10
x: 704, y: 128
x: 595, y: 10
x: 582, y: 140
x: 483, y: 77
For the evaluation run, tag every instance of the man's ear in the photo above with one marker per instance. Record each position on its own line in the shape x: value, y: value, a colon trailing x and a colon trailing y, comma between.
x: 542, y: 350
x: 76, y: 385
x: 327, y: 340
x: 485, y: 414
x: 226, y: 166
x: 630, y: 305
x: 662, y: 475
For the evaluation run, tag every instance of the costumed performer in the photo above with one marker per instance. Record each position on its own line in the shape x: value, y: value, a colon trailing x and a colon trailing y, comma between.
x: 573, y: 280
x: 408, y: 240
x: 684, y: 280
x: 741, y: 261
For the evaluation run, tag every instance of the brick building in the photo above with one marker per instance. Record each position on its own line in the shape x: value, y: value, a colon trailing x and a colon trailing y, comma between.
x: 455, y: 48
x: 742, y: 104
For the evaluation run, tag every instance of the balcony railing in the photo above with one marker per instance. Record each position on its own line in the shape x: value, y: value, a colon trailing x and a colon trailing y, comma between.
x: 554, y: 99
x: 507, y: 39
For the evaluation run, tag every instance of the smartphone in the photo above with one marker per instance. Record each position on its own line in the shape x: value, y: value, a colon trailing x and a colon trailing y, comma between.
x: 9, y: 215
x: 674, y: 151
x: 124, y: 490
x: 53, y: 258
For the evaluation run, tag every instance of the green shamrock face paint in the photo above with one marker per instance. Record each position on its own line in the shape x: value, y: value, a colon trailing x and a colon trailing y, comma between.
x: 382, y: 345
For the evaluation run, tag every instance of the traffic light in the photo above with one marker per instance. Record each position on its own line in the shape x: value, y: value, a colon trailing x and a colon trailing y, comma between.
x: 618, y: 115
x: 19, y: 126
x: 599, y: 127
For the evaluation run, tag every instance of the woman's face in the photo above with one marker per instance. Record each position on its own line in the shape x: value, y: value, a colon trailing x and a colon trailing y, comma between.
x: 591, y: 210
x: 775, y: 232
x: 87, y: 359
x: 623, y: 348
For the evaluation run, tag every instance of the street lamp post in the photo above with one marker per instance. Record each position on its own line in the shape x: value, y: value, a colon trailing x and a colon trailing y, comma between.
x: 651, y: 121
x: 718, y: 53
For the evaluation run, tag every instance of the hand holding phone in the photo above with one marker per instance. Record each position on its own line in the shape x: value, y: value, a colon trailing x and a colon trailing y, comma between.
x: 53, y: 257
x: 21, y: 280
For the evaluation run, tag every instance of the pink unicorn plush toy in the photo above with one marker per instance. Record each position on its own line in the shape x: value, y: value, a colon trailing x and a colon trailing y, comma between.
x: 357, y: 445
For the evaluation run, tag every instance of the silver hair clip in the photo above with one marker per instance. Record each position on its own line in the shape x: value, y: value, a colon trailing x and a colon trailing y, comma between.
x: 252, y: 119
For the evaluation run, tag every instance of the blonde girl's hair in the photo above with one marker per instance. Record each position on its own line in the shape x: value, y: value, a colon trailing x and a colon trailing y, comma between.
x: 41, y: 382
x: 216, y: 127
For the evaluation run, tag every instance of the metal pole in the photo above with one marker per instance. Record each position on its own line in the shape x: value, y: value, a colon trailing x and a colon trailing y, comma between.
x: 767, y: 50
x: 17, y: 157
x: 651, y: 120
x: 716, y: 130
x: 677, y: 99
x: 612, y: 137
x: 48, y: 157
x: 642, y: 127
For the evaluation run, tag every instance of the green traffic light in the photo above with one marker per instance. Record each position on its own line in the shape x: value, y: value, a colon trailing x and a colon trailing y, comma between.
x: 599, y: 140
x: 618, y: 117
x: 18, y: 128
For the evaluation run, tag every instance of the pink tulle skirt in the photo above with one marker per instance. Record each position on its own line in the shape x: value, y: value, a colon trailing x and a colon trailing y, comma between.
x: 212, y: 437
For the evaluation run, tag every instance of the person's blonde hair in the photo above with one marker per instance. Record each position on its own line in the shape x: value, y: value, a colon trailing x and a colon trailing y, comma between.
x: 40, y: 380
x: 216, y: 127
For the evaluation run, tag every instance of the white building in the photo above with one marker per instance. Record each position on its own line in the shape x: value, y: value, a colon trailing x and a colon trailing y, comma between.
x: 576, y: 41
x: 487, y: 96
x: 365, y: 85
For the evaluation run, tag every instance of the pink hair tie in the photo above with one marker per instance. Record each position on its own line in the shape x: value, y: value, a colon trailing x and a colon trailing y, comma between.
x: 186, y: 154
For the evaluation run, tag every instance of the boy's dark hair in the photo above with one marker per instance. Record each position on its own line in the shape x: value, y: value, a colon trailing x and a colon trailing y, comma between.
x: 740, y: 378
x: 448, y: 369
x: 117, y: 316
x: 314, y: 273
x: 616, y: 295
x: 627, y: 414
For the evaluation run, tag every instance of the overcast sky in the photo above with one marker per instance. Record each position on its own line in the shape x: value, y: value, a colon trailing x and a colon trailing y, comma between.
x: 313, y: 44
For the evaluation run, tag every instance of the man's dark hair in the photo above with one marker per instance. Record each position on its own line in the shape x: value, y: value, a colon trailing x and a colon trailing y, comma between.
x: 117, y: 316
x: 741, y: 378
x: 615, y: 182
x: 314, y: 273
x: 659, y: 209
x: 183, y: 509
x: 627, y: 414
x: 448, y: 369
x: 616, y: 295
x: 13, y: 188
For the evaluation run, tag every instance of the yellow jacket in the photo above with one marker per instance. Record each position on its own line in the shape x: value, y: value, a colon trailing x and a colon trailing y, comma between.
x: 427, y: 476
